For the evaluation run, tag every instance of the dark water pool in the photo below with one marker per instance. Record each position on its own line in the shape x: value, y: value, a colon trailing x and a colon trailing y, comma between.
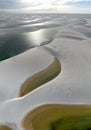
x: 14, y: 44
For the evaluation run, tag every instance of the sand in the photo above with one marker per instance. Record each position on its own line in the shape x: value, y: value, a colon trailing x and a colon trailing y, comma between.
x: 71, y: 86
x: 14, y: 71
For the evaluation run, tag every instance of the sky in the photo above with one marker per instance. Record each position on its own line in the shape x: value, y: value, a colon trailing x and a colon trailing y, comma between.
x: 48, y: 6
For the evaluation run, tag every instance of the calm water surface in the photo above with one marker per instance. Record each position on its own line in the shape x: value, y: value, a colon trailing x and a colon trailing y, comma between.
x: 13, y: 44
x: 20, y: 32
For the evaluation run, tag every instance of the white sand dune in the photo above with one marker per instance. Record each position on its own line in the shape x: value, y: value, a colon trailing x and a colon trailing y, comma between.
x: 71, y: 86
x: 18, y: 68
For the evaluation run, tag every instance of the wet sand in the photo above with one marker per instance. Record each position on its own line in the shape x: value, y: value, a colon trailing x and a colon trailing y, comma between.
x: 41, y: 78
x: 51, y: 116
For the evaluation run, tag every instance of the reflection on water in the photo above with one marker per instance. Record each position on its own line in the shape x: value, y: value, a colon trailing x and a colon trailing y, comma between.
x: 20, y: 32
x: 40, y: 37
x: 13, y: 44
x: 72, y: 86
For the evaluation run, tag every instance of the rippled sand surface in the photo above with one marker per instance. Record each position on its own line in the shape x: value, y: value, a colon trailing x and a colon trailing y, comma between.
x: 45, y: 59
